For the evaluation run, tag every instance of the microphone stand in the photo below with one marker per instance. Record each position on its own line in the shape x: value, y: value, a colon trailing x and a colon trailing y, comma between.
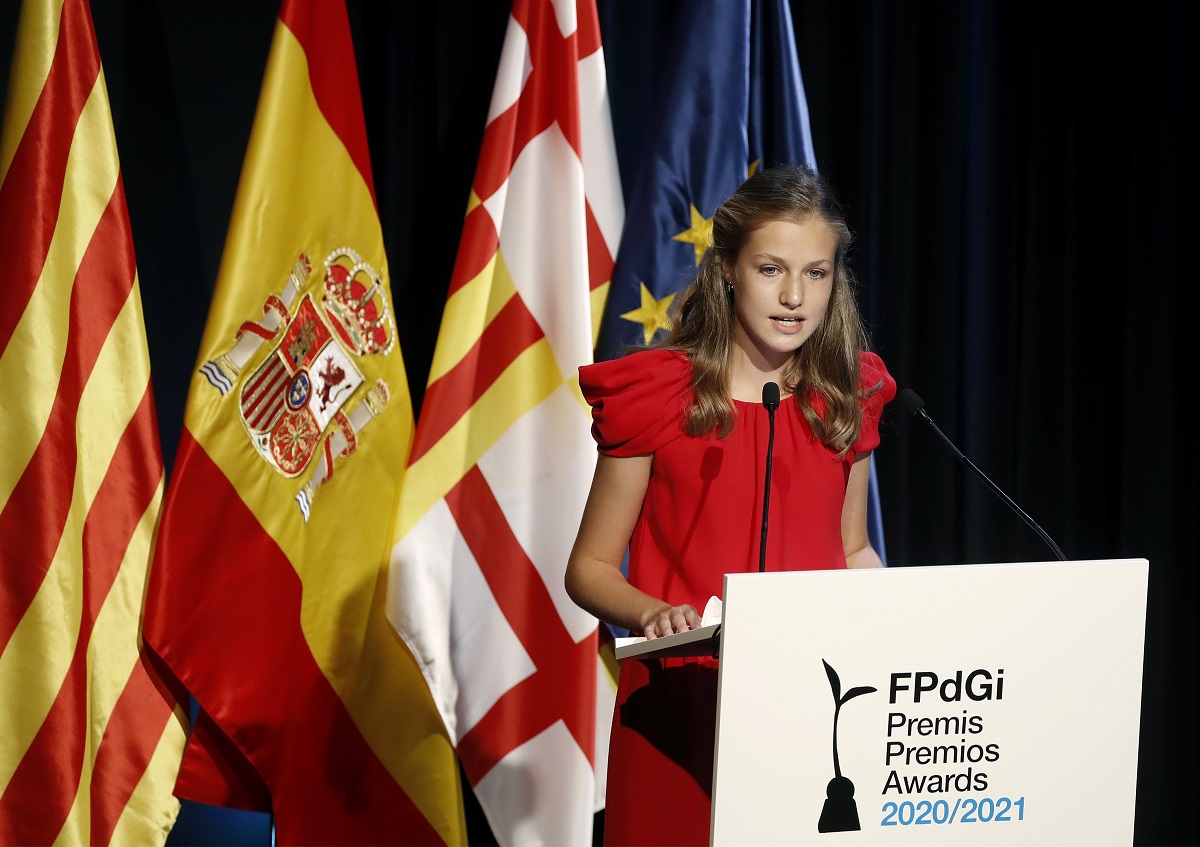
x: 770, y: 399
x: 916, y: 406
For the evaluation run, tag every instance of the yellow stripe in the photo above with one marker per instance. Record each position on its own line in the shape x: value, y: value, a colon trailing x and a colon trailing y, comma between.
x: 113, y: 393
x: 531, y: 378
x: 76, y: 828
x: 37, y: 39
x: 112, y: 654
x: 152, y: 809
x: 468, y: 312
x: 114, y: 646
x: 599, y: 299
x: 32, y: 362
x: 390, y: 676
x: 36, y: 659
x: 472, y: 201
x: 573, y: 383
x: 607, y: 656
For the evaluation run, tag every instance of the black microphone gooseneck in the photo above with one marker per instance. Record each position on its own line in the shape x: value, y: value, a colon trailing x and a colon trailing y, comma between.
x: 916, y: 406
x: 770, y: 399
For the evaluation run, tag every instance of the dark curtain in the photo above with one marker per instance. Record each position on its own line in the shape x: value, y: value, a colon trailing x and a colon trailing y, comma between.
x: 1013, y: 174
x: 1015, y: 180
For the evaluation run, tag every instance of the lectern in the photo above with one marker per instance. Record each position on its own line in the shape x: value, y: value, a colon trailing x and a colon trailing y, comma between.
x: 992, y: 704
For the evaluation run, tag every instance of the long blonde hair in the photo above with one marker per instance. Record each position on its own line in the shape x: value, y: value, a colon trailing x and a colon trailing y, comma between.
x: 826, y: 365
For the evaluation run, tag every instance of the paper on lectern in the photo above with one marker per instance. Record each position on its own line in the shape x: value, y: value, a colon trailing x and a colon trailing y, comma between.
x: 693, y: 642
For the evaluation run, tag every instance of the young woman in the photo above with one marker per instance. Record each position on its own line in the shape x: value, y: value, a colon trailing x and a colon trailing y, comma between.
x: 682, y: 435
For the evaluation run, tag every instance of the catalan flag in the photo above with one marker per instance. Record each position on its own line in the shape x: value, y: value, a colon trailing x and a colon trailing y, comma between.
x: 267, y: 594
x: 503, y: 459
x: 731, y: 101
x: 90, y: 736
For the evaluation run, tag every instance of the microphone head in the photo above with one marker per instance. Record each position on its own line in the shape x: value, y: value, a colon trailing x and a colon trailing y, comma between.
x: 770, y: 396
x: 914, y: 404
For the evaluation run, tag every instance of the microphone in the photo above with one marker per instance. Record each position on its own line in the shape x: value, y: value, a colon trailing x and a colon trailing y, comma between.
x: 916, y: 406
x: 770, y: 399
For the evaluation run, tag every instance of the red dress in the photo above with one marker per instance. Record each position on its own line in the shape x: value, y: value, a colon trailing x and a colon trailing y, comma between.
x: 701, y: 519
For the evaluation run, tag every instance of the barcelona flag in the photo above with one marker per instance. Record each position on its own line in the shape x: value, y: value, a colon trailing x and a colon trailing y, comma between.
x: 502, y: 457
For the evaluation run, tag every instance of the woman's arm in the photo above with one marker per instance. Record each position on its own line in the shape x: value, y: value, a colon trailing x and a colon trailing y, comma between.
x: 594, y: 580
x: 855, y: 540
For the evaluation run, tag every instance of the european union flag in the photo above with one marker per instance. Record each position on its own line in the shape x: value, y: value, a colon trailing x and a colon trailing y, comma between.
x: 731, y: 102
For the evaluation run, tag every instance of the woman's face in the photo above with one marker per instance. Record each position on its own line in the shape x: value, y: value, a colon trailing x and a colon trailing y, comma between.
x: 782, y: 281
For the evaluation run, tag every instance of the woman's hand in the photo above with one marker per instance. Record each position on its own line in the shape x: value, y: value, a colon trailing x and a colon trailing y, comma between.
x: 667, y: 620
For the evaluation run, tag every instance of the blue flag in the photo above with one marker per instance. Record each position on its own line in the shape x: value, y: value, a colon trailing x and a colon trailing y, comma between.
x: 731, y: 102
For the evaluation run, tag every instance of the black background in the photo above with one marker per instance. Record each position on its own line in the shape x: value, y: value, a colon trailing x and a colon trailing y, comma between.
x: 1012, y: 171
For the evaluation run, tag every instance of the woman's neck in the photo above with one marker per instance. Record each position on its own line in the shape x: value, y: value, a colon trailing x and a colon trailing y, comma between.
x: 748, y: 375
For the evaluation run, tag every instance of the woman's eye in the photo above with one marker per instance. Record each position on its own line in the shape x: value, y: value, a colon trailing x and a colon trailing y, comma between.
x: 771, y: 270
x: 816, y: 273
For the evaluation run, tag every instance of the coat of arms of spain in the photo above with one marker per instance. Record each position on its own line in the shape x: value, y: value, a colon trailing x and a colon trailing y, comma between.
x: 296, y: 406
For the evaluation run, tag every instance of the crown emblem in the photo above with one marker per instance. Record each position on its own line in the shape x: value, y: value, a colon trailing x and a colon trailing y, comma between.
x: 355, y: 301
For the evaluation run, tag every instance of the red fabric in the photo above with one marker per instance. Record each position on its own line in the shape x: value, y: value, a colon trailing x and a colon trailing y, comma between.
x: 231, y: 633
x: 701, y: 519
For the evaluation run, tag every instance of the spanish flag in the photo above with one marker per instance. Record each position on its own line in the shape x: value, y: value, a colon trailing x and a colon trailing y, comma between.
x: 503, y: 456
x: 267, y: 593
x: 90, y: 736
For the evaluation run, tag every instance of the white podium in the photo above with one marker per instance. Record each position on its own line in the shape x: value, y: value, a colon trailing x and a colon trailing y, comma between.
x: 949, y: 705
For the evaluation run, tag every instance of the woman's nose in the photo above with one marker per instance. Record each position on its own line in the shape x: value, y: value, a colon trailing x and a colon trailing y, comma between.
x: 791, y: 293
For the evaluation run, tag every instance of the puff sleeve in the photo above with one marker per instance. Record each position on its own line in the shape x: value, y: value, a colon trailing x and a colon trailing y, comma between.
x: 638, y: 401
x: 877, y: 380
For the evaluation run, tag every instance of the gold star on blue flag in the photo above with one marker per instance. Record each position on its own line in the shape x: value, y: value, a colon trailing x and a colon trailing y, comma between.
x: 699, y: 234
x: 653, y: 314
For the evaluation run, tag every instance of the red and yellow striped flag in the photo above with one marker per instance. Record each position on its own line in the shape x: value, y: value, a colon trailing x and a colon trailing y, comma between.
x: 267, y: 595
x: 503, y: 456
x: 90, y: 737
